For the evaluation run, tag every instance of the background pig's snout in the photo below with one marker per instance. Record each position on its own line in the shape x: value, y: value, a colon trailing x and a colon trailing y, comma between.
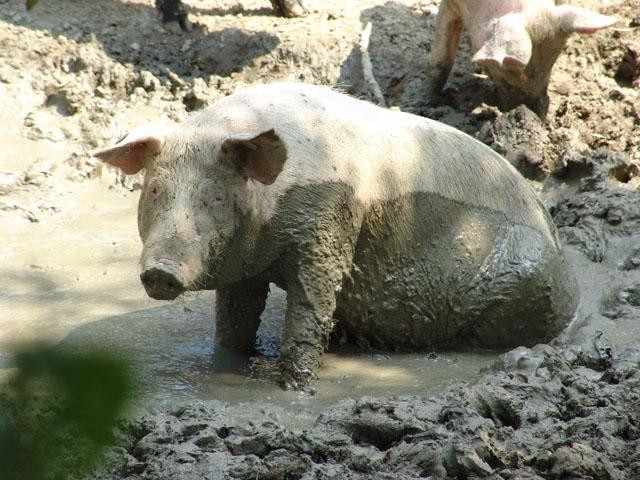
x: 162, y: 283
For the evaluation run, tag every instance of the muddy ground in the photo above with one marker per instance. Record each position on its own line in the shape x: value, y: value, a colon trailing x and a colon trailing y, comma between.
x: 548, y: 412
x: 75, y: 74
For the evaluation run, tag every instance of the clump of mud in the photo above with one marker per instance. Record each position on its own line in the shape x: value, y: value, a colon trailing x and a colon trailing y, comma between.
x: 552, y: 412
x: 520, y: 137
x: 605, y: 205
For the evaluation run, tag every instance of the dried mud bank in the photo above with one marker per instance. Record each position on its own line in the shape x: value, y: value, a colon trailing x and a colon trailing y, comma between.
x: 552, y: 412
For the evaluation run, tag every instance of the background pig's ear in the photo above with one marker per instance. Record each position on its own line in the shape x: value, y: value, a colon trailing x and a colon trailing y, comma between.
x: 509, y: 46
x: 131, y: 151
x: 259, y: 156
x: 580, y: 20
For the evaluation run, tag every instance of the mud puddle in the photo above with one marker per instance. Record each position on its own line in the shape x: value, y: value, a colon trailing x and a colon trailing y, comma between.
x: 176, y: 360
x: 600, y: 284
x: 69, y: 269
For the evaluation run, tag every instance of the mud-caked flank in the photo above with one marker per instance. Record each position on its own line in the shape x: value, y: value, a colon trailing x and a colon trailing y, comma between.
x: 431, y: 272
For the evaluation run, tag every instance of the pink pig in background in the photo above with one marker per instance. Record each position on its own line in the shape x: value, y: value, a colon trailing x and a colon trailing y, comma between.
x: 516, y: 41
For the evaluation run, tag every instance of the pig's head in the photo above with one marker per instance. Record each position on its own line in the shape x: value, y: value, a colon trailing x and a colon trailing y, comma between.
x: 191, y: 205
x: 518, y: 50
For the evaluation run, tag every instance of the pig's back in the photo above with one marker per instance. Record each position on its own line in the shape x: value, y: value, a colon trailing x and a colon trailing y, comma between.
x: 381, y: 154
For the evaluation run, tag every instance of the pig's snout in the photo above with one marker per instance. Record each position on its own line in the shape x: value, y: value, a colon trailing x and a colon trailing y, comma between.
x: 162, y: 282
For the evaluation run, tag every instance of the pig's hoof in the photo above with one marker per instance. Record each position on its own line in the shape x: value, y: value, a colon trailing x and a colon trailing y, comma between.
x: 289, y: 385
x: 176, y: 26
x: 307, y: 389
x: 299, y: 381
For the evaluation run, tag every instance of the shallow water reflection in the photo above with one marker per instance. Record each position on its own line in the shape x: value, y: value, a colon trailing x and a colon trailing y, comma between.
x: 174, y: 355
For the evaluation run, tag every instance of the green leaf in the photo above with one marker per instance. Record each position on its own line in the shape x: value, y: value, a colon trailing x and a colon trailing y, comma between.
x: 31, y: 4
x: 58, y: 412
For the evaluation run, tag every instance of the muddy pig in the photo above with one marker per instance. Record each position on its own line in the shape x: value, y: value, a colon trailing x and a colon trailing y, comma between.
x: 516, y: 41
x: 403, y: 232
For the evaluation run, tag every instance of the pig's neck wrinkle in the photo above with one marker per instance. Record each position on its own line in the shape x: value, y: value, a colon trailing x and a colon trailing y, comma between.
x: 245, y: 255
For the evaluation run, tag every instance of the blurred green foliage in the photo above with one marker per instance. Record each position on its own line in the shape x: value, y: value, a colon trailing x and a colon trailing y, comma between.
x: 31, y: 4
x: 58, y: 412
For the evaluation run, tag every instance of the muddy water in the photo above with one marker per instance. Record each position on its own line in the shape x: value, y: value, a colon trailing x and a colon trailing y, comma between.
x: 69, y: 268
x: 72, y: 279
x: 173, y: 350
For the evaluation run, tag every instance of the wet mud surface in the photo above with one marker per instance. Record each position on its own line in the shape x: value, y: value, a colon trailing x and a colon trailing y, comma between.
x: 552, y: 411
x: 75, y: 74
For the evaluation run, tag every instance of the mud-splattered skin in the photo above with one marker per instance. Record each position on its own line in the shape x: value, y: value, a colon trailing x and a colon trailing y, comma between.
x: 458, y: 275
x: 406, y: 232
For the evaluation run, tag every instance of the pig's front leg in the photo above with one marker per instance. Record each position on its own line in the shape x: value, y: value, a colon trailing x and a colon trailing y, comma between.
x: 445, y: 44
x: 313, y: 284
x: 238, y: 310
x: 311, y: 301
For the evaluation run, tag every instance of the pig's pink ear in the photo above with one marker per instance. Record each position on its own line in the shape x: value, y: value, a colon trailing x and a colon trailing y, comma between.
x: 509, y: 45
x: 580, y: 20
x: 260, y: 157
x: 131, y: 152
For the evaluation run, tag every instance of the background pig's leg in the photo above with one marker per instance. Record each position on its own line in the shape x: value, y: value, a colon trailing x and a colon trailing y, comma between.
x: 173, y: 11
x: 238, y: 309
x: 290, y: 8
x: 445, y: 44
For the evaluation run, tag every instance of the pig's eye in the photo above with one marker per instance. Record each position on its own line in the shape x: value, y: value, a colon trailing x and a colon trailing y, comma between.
x: 153, y: 188
x: 212, y: 200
